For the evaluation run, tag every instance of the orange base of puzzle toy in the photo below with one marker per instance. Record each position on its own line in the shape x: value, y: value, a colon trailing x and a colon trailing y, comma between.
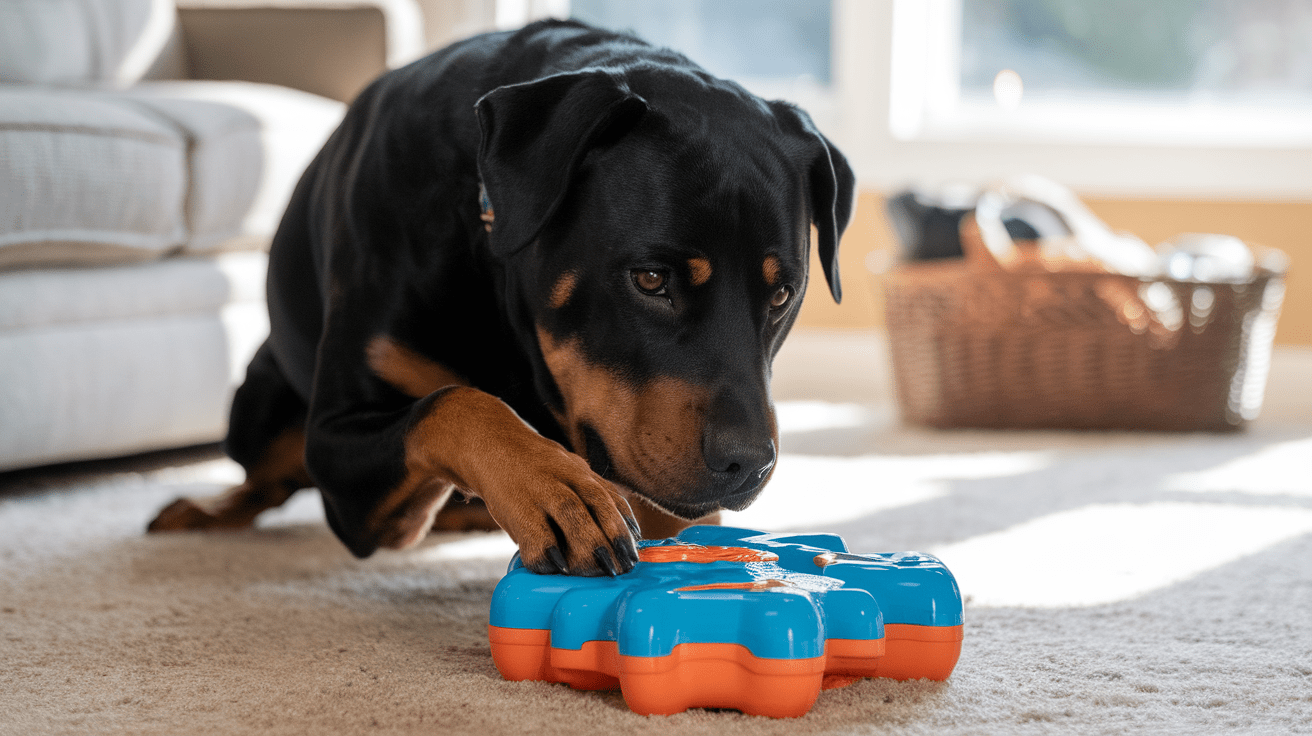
x: 726, y: 675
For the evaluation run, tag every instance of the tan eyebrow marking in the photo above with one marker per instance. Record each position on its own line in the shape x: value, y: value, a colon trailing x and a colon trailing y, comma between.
x: 701, y: 270
x: 770, y: 269
x: 563, y: 290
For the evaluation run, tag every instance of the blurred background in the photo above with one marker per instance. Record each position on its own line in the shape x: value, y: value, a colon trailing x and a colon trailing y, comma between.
x: 148, y: 148
x: 1166, y: 117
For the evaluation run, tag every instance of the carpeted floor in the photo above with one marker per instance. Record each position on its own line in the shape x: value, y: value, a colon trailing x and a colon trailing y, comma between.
x: 1115, y: 583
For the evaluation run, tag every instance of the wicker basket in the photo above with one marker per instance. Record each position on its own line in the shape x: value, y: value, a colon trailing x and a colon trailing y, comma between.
x: 983, y: 346
x: 974, y: 349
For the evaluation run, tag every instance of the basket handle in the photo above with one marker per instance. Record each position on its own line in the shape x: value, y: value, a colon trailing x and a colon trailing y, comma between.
x: 1090, y: 246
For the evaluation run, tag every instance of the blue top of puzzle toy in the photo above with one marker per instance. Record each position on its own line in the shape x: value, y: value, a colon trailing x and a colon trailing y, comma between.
x: 782, y: 602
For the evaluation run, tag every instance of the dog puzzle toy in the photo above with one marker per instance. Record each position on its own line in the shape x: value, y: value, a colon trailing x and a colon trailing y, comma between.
x: 719, y: 617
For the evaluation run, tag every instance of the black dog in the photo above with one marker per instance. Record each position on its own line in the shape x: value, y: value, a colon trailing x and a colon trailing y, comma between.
x: 526, y: 242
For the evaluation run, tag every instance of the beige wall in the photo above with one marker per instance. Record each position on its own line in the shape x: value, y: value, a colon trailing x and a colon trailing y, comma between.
x: 446, y: 21
x: 1283, y: 225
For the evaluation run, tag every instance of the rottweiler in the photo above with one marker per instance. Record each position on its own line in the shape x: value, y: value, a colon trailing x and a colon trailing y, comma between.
x: 549, y: 268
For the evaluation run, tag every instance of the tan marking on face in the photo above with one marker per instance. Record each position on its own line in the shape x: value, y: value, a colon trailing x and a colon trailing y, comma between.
x: 770, y: 269
x: 700, y: 269
x: 406, y: 370
x: 657, y: 523
x: 563, y: 290
x: 653, y: 432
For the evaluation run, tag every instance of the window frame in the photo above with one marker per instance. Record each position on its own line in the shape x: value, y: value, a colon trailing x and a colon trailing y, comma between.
x: 894, y: 109
x: 903, y: 123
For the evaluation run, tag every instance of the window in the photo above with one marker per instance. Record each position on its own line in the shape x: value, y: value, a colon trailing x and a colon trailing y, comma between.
x: 1168, y: 72
x: 774, y: 40
x: 1104, y: 107
x: 778, y: 49
x: 1223, y: 51
x: 1193, y: 98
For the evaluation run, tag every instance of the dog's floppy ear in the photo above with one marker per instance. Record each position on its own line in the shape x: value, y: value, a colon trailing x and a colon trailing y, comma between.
x: 534, y: 136
x: 833, y: 188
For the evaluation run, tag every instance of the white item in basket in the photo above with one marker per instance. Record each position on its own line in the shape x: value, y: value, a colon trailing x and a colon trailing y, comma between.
x: 1207, y: 258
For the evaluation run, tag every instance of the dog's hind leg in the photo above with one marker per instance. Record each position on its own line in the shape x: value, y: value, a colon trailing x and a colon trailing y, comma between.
x: 266, y: 435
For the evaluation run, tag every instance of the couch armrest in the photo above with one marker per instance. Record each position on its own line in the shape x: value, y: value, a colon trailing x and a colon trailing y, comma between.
x: 331, y: 48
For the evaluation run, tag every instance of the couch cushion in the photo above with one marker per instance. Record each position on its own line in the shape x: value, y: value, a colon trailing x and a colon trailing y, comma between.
x: 104, y: 361
x: 249, y: 145
x: 102, y: 176
x: 96, y: 362
x: 226, y: 159
x: 41, y: 298
x: 86, y: 178
x: 77, y: 391
x: 30, y: 33
x: 79, y: 41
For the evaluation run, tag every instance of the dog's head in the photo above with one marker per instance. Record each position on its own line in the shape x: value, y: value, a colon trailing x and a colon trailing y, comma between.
x: 655, y: 230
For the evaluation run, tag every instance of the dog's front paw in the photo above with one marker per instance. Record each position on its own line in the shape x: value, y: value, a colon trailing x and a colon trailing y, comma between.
x: 564, y: 517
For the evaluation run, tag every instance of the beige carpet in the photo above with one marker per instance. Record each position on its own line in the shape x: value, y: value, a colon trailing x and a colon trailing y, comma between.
x: 1116, y: 583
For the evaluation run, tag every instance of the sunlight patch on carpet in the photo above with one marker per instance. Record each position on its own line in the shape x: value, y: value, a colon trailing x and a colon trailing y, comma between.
x: 478, y: 546
x: 304, y: 507
x: 810, y: 491
x: 220, y: 471
x: 1108, y: 553
x: 1279, y: 469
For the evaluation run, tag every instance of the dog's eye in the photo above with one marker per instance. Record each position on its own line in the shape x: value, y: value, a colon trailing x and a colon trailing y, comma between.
x: 781, y: 297
x: 650, y: 282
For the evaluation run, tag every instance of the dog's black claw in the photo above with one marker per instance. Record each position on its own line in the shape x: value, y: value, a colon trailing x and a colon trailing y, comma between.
x: 553, y: 553
x: 604, y: 561
x: 633, y: 527
x: 628, y: 555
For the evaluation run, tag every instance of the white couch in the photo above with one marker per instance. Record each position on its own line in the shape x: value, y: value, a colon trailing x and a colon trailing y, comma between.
x: 136, y: 202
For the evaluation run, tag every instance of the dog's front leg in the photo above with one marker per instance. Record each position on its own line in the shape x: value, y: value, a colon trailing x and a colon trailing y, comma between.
x: 564, y: 517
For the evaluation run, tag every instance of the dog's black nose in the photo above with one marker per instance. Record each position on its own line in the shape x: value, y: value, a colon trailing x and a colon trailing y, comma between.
x: 739, y: 460
x: 738, y: 446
